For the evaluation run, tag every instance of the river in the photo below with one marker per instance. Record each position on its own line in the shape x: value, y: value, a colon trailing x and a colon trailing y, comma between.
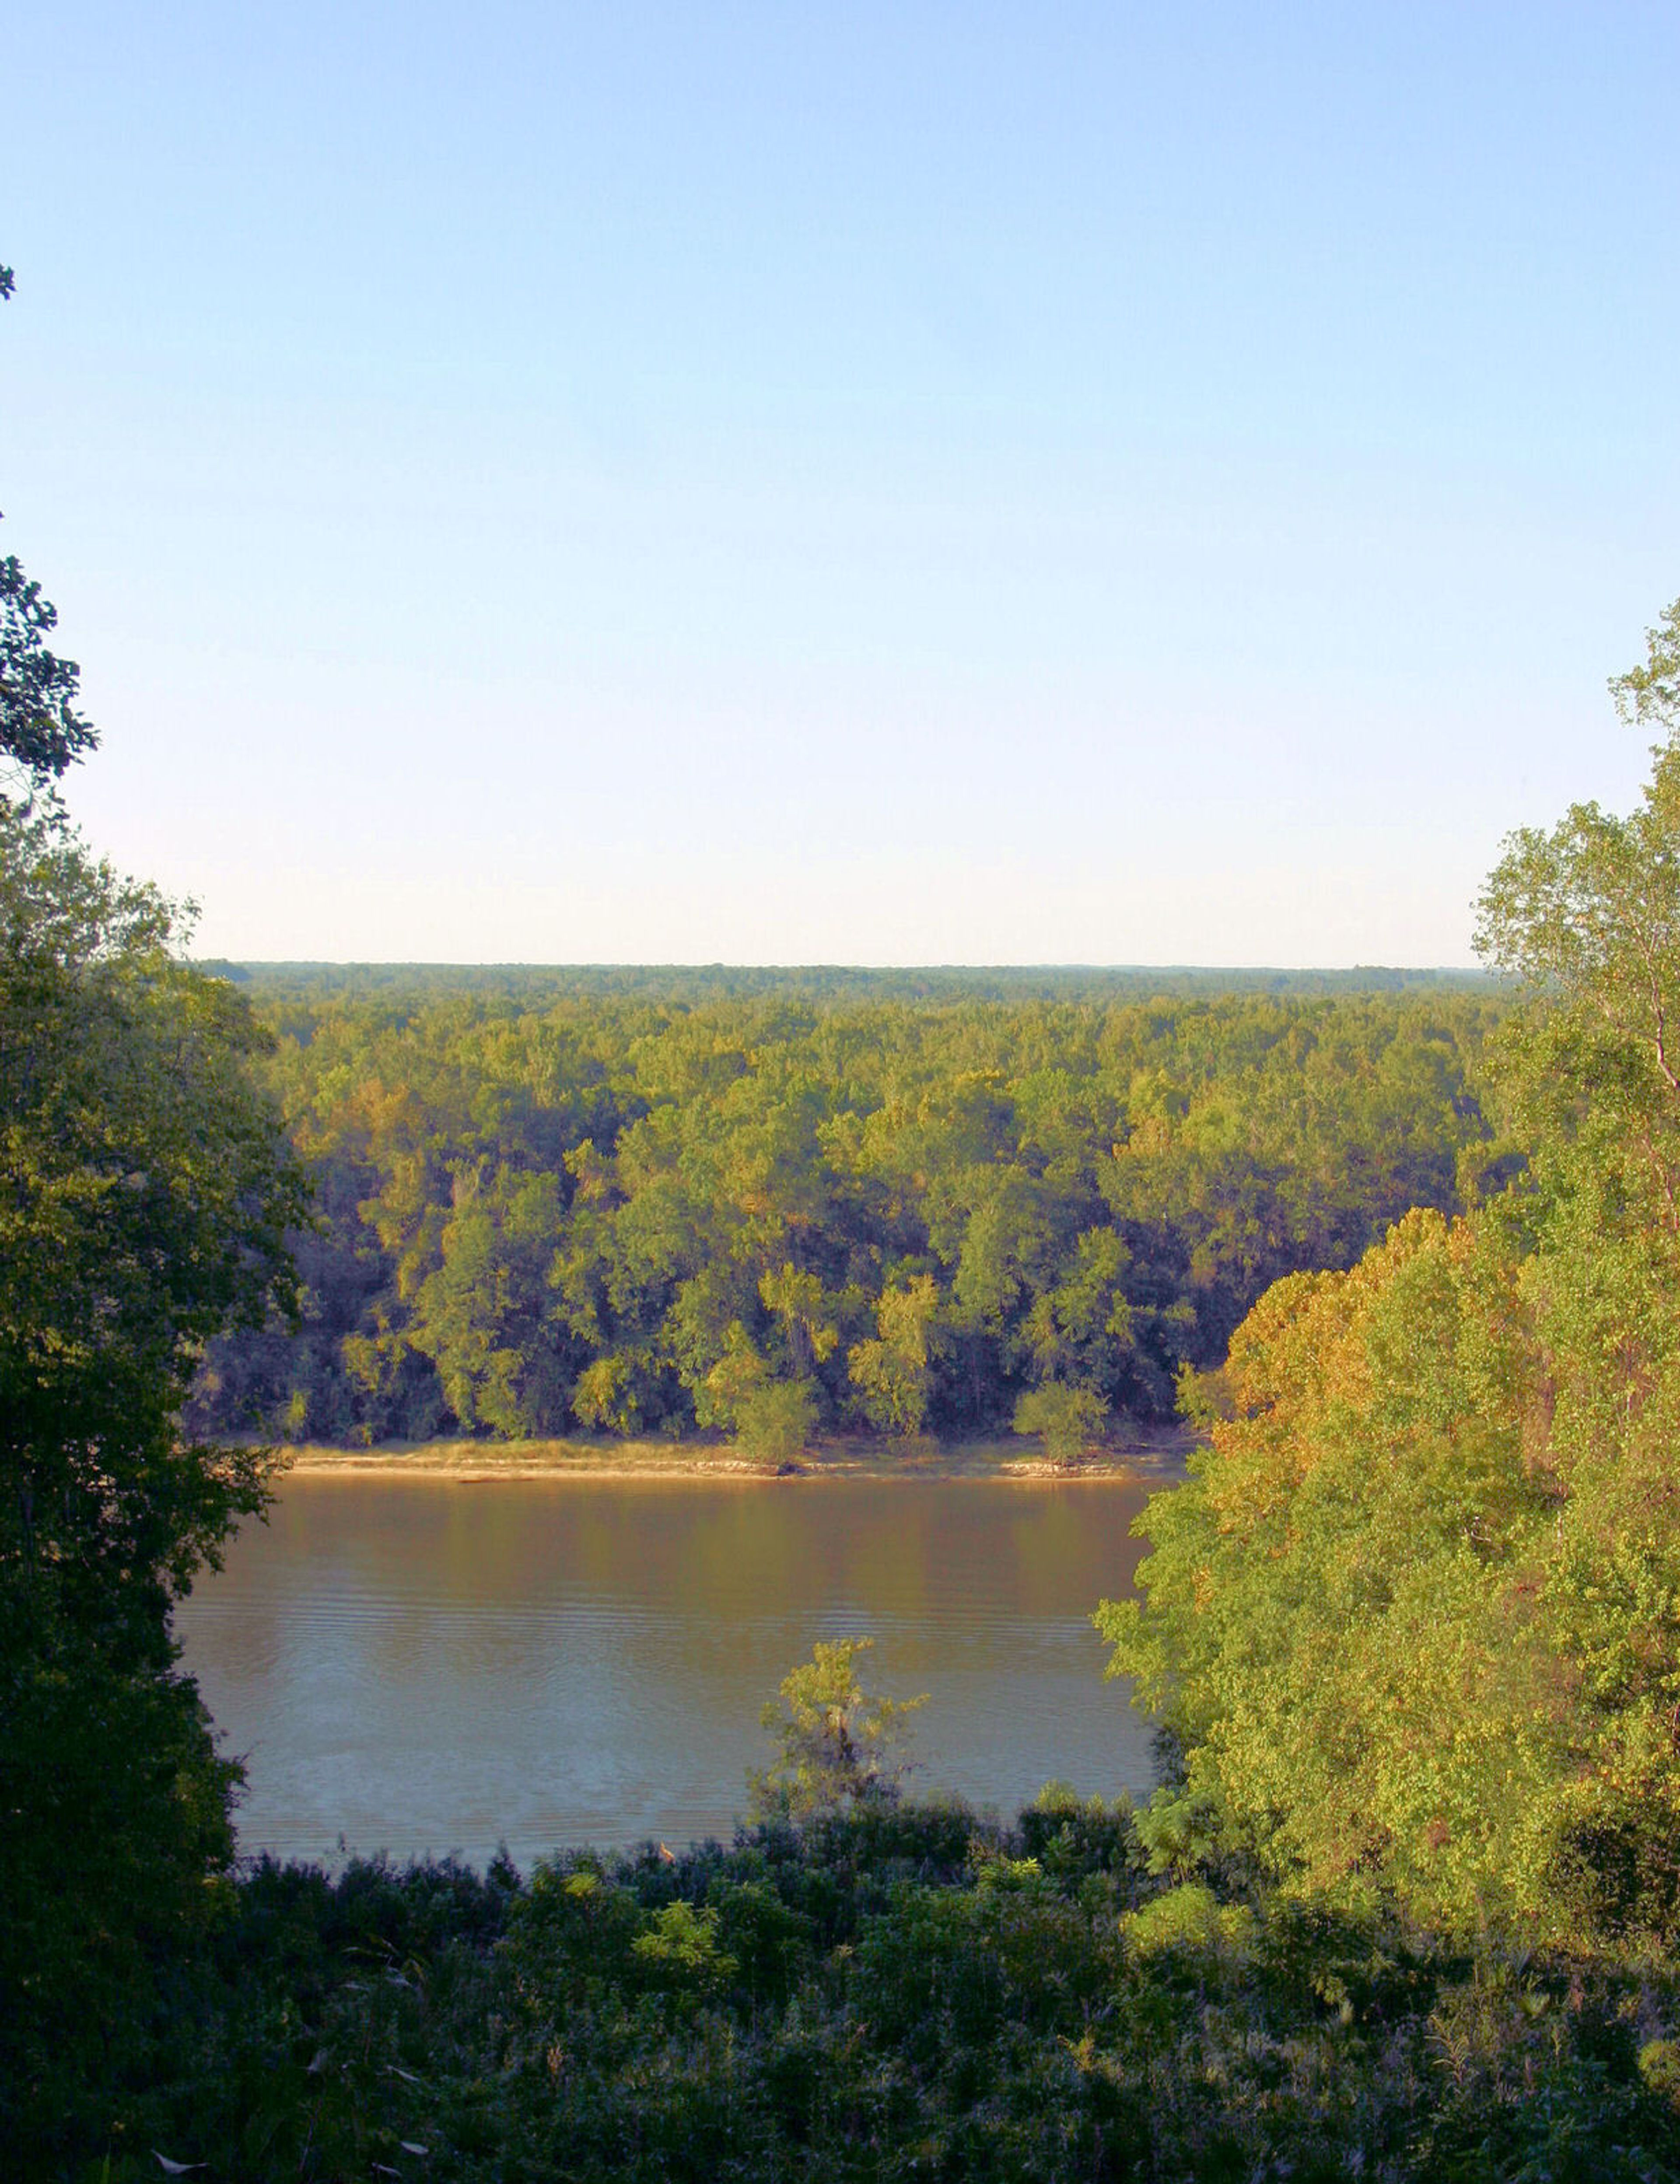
x: 426, y: 1666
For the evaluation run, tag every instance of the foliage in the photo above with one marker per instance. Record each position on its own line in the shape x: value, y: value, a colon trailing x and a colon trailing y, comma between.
x: 778, y: 1217
x: 145, y: 1194
x: 42, y: 733
x: 892, y: 1373
x: 1414, y: 1619
x: 898, y: 1991
x: 146, y: 1203
x: 774, y: 1422
x: 1067, y: 1420
x: 839, y: 1744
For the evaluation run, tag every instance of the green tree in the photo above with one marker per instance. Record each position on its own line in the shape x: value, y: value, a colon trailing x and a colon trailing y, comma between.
x: 145, y: 1198
x: 1587, y: 917
x: 838, y: 1746
x: 795, y: 1296
x: 771, y: 1420
x: 602, y: 1397
x: 485, y: 1314
x: 774, y: 1422
x: 1067, y: 1420
x: 40, y: 730
x: 892, y: 1372
x: 1081, y: 1326
x: 1413, y: 1618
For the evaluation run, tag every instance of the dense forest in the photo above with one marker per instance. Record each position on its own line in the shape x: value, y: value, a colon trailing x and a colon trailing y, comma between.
x: 850, y: 1207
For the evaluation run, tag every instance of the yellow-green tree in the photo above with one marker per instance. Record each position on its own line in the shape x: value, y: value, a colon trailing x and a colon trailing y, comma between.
x: 837, y: 1745
x: 1067, y: 1421
x: 891, y: 1373
x: 1415, y: 1616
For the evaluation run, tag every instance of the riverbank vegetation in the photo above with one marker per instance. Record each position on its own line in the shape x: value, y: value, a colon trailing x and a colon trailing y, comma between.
x: 889, y: 1992
x: 780, y: 1216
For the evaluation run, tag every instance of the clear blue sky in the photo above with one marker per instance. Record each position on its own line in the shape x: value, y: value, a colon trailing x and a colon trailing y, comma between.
x: 882, y: 484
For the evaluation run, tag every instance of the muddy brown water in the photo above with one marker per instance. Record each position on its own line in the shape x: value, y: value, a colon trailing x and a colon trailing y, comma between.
x: 426, y: 1666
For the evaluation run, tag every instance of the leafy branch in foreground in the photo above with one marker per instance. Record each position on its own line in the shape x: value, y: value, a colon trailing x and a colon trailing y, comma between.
x: 42, y: 733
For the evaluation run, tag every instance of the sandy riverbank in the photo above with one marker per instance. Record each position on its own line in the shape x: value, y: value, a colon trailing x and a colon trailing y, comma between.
x: 1151, y: 1456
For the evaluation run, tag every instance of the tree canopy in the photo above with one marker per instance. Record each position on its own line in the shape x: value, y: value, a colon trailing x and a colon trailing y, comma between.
x: 145, y: 1197
x: 1415, y: 1617
x: 771, y: 1216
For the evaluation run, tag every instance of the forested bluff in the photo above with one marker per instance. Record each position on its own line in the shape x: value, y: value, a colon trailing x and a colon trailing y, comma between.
x: 775, y: 1205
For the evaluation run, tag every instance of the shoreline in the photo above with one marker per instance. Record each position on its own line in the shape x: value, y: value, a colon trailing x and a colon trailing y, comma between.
x: 1156, y: 1458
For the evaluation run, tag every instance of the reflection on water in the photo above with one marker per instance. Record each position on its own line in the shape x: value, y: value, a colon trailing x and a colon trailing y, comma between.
x: 422, y: 1666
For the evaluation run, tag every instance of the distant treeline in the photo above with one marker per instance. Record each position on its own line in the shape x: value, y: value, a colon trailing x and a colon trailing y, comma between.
x: 698, y: 984
x: 773, y: 1202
